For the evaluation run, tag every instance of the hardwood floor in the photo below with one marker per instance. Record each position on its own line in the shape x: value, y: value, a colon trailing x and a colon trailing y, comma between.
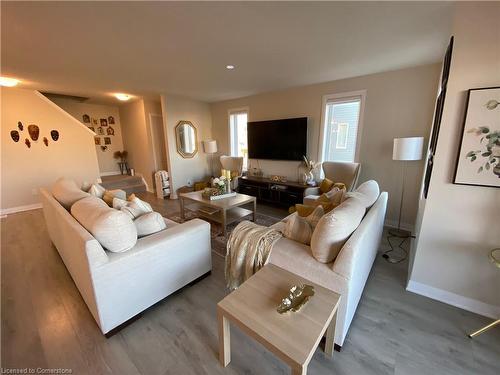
x: 46, y: 324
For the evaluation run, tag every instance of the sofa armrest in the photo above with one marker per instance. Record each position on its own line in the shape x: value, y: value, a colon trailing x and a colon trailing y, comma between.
x: 195, y: 232
x: 312, y: 191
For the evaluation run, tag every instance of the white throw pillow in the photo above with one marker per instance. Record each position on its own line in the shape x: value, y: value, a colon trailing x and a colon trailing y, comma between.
x: 67, y: 192
x: 367, y: 193
x: 136, y: 208
x: 119, y: 203
x: 97, y: 190
x: 149, y: 223
x: 297, y: 228
x: 110, y: 194
x: 334, y: 229
x: 114, y: 229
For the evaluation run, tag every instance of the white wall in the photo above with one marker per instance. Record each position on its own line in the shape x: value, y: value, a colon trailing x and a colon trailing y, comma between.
x: 398, y: 104
x: 25, y: 170
x: 460, y: 224
x: 107, y: 163
x: 194, y: 169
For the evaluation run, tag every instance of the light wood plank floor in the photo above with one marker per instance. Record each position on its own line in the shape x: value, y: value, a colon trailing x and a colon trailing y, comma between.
x: 45, y: 323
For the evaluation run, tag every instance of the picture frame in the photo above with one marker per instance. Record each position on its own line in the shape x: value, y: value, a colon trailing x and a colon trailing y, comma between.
x: 111, y: 120
x: 97, y: 141
x: 107, y: 140
x: 104, y: 122
x: 478, y: 158
x: 86, y: 119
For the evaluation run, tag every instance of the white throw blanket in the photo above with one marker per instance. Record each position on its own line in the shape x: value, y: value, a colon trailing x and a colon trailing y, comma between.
x: 248, y: 249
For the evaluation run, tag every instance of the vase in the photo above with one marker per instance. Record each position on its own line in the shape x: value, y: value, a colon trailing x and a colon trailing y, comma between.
x: 310, y: 177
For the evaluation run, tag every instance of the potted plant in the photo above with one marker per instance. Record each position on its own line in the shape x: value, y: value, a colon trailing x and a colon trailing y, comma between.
x: 122, y: 156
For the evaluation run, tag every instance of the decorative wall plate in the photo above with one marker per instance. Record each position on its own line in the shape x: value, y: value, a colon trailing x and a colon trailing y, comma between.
x: 14, y: 134
x: 54, y: 135
x: 34, y: 132
x: 20, y: 125
x: 45, y: 141
x: 27, y: 142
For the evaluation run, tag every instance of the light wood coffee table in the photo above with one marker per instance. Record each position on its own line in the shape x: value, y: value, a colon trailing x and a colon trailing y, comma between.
x: 228, y: 209
x: 293, y: 336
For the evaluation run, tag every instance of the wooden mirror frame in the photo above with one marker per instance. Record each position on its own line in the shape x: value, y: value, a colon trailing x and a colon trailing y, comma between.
x: 181, y: 152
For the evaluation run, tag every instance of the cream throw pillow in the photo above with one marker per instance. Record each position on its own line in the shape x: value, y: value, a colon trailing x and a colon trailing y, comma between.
x: 367, y: 193
x: 119, y: 203
x: 97, y: 190
x: 114, y: 229
x: 149, y: 223
x: 67, y: 192
x: 109, y: 195
x: 334, y: 229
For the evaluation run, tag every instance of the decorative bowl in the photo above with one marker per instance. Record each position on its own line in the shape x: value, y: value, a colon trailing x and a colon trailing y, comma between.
x: 296, y: 298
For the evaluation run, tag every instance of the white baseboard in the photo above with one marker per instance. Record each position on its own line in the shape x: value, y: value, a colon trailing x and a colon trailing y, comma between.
x: 13, y: 210
x: 113, y: 173
x: 394, y: 224
x: 453, y: 299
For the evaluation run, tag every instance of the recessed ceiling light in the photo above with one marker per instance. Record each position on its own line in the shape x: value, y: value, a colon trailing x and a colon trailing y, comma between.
x: 8, y: 82
x: 123, y: 97
x: 229, y: 67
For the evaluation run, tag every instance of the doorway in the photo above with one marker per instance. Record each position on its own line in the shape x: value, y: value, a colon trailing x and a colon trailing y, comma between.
x: 158, y: 140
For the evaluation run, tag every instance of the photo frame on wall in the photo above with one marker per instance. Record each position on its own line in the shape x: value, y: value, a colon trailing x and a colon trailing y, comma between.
x: 478, y: 160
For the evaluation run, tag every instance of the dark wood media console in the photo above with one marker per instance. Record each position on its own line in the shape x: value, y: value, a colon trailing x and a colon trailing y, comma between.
x: 282, y: 193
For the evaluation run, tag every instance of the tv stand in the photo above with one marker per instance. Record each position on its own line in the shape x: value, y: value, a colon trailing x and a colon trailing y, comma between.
x: 265, y: 190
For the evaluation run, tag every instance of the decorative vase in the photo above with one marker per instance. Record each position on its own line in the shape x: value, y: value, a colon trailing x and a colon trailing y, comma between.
x: 310, y: 177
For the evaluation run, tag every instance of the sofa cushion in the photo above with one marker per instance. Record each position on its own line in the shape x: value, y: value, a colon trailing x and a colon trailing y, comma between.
x: 302, y: 209
x: 114, y: 229
x: 331, y: 199
x: 326, y: 185
x: 97, y: 190
x: 110, y: 194
x: 136, y: 207
x: 67, y: 192
x: 334, y: 229
x: 149, y: 223
x: 297, y: 228
x: 367, y: 193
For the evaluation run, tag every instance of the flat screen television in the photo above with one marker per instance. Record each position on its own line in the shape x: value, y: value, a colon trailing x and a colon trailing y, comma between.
x: 284, y: 139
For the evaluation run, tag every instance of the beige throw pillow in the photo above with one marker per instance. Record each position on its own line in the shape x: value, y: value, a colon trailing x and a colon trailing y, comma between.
x: 67, y: 192
x: 149, y: 223
x: 97, y: 190
x: 297, y: 228
x: 334, y: 229
x: 109, y: 195
x: 367, y: 193
x: 114, y: 229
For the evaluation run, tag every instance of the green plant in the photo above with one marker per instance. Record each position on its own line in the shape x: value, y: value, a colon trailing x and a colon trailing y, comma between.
x: 490, y: 140
x: 122, y: 155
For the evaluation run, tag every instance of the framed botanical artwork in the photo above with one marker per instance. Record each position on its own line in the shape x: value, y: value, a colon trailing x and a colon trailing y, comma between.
x: 478, y: 161
x: 107, y: 140
x: 100, y: 130
x: 111, y: 120
x: 104, y: 122
x: 86, y: 119
x: 97, y: 141
x: 110, y: 131
x: 94, y: 121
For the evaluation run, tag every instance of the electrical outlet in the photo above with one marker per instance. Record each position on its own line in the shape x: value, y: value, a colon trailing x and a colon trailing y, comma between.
x: 34, y: 191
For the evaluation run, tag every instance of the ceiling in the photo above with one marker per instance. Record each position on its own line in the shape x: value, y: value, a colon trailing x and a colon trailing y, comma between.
x: 97, y: 48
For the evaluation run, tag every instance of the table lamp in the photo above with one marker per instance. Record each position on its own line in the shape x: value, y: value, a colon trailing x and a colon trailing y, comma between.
x: 405, y: 149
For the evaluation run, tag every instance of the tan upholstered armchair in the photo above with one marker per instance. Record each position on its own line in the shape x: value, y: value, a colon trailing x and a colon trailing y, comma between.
x: 235, y: 165
x: 344, y: 172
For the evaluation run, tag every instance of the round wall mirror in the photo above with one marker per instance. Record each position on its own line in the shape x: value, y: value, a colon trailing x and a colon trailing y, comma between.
x: 186, y: 138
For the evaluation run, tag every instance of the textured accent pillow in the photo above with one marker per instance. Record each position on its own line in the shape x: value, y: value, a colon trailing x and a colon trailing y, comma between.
x: 334, y: 229
x: 114, y: 230
x: 331, y: 199
x: 136, y: 208
x: 297, y: 228
x: 110, y: 194
x: 314, y: 217
x: 97, y: 190
x: 326, y: 185
x: 149, y: 223
x: 367, y: 193
x: 67, y: 192
x: 119, y: 203
x: 303, y: 209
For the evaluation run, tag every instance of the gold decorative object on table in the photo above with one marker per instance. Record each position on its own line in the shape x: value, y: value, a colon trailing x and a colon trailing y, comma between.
x: 296, y: 299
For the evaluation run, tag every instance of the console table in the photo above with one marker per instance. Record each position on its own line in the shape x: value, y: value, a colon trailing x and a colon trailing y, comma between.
x: 266, y: 190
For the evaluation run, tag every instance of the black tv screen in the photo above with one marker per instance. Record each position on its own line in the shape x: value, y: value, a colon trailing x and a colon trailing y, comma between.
x: 277, y: 139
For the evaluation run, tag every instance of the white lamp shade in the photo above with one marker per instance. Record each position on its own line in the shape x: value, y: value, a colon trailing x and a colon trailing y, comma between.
x: 210, y: 146
x: 407, y: 148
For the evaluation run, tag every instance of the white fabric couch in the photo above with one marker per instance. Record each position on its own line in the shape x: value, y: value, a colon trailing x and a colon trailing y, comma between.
x: 347, y: 273
x: 118, y: 286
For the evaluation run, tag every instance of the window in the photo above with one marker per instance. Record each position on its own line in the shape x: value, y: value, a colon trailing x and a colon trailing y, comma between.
x: 238, y: 134
x: 341, y: 126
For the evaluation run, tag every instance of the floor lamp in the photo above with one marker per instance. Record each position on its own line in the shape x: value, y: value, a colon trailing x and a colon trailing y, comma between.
x: 210, y: 147
x: 405, y: 149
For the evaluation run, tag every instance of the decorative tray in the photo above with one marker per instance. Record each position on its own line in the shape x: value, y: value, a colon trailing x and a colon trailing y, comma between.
x: 297, y: 297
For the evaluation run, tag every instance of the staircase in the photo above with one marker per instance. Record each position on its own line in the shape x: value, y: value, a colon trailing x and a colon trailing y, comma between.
x: 131, y: 184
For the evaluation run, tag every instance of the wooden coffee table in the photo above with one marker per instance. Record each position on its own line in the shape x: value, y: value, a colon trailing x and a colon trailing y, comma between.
x: 227, y: 211
x: 293, y: 336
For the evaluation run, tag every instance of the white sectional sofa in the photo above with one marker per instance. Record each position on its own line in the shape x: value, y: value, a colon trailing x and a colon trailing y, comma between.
x: 118, y: 286
x: 348, y: 272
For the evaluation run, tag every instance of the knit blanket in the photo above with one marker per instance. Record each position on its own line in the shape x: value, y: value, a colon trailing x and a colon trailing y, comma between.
x: 248, y: 249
